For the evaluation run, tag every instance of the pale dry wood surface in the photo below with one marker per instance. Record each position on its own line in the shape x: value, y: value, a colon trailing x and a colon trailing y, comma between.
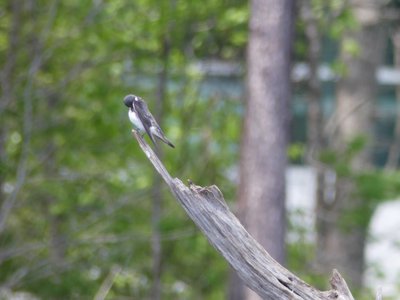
x: 258, y: 270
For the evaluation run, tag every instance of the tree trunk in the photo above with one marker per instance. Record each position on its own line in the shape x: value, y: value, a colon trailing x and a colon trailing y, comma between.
x: 263, y: 153
x: 315, y: 121
x: 356, y: 92
x: 394, y: 150
x: 314, y: 112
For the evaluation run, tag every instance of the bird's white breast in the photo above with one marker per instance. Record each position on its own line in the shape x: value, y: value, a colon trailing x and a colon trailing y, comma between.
x: 135, y: 121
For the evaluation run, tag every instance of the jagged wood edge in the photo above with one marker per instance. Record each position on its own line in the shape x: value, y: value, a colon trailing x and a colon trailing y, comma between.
x: 258, y: 270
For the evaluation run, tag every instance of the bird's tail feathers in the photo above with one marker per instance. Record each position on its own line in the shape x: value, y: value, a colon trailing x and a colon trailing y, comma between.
x: 160, y: 135
x: 157, y: 132
x: 165, y: 140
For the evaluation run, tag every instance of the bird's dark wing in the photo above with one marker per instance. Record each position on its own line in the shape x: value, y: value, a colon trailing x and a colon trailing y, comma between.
x: 145, y: 116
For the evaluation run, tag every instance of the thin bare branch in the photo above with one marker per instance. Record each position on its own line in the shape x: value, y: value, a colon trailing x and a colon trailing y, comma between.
x: 394, y: 149
x: 107, y: 283
x: 9, y: 66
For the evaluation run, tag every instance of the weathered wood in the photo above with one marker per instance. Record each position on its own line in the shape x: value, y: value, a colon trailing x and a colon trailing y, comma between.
x: 208, y: 210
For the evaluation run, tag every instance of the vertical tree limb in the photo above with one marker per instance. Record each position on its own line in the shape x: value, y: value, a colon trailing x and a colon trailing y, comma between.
x: 394, y: 149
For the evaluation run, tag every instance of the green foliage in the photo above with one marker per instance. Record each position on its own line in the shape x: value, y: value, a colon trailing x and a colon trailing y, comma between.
x: 344, y: 22
x: 351, y: 47
x: 372, y: 186
x: 328, y: 157
x: 85, y: 206
x: 301, y: 249
x: 341, y: 161
x: 88, y: 182
x: 296, y: 151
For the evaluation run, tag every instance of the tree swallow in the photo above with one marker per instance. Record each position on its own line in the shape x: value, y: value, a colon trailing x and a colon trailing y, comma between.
x: 143, y: 120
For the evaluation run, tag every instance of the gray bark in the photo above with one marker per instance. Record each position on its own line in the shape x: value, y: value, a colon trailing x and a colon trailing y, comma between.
x: 314, y: 112
x: 394, y: 150
x: 258, y: 270
x: 261, y: 195
x: 263, y: 153
x: 315, y: 121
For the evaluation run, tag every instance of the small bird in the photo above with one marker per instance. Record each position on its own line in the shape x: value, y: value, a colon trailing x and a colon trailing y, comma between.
x: 143, y: 120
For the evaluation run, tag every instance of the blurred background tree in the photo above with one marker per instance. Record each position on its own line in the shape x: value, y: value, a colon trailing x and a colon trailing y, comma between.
x: 82, y: 214
x: 263, y: 161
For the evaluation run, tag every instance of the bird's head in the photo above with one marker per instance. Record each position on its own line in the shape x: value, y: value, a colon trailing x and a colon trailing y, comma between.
x: 131, y: 101
x: 128, y: 100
